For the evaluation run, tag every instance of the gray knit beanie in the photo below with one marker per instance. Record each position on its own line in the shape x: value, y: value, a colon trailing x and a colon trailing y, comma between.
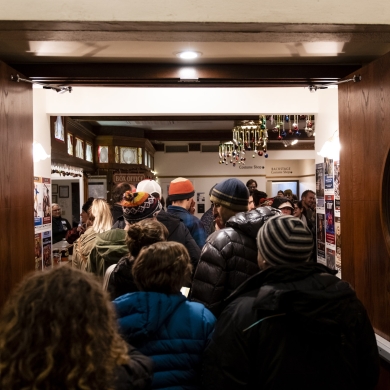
x: 231, y: 193
x: 284, y: 240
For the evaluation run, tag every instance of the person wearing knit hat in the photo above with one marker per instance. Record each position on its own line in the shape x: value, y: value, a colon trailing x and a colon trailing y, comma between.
x: 229, y: 197
x: 151, y: 187
x: 181, y: 193
x: 293, y: 325
x: 139, y: 205
x: 229, y: 256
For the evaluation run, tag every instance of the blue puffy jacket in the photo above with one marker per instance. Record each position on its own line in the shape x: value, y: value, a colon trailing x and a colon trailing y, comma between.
x: 171, y: 330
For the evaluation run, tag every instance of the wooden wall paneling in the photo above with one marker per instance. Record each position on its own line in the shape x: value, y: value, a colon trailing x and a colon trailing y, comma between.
x: 365, y: 108
x: 16, y: 181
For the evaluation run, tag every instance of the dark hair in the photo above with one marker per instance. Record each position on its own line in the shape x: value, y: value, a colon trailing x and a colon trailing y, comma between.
x: 257, y: 196
x: 119, y: 190
x: 305, y: 193
x: 144, y: 233
x: 162, y: 267
x: 287, y: 192
x: 58, y: 330
x: 251, y: 181
x: 280, y: 191
x: 87, y: 205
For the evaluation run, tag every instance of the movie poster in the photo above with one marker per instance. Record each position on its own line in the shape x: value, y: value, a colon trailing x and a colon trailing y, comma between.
x: 337, y: 226
x: 328, y: 163
x: 321, y: 238
x: 46, y: 249
x: 329, y: 219
x: 38, y: 252
x: 321, y: 253
x: 320, y: 181
x: 330, y: 258
x: 42, y: 202
x: 336, y: 184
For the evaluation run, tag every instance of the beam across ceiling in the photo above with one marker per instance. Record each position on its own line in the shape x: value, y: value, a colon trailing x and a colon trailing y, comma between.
x: 174, y: 75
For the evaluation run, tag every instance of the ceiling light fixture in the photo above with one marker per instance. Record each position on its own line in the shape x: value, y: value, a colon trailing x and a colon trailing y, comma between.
x: 188, y: 54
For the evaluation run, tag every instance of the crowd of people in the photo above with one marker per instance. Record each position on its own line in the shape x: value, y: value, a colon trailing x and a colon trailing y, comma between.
x: 260, y: 313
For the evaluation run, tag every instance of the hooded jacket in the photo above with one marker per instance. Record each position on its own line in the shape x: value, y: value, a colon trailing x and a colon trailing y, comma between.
x: 293, y: 327
x: 110, y: 247
x: 229, y: 258
x: 169, y: 329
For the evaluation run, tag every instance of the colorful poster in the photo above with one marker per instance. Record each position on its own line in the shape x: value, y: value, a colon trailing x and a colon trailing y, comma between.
x: 320, y: 181
x: 46, y: 249
x: 46, y: 200
x: 338, y: 243
x: 336, y: 171
x: 38, y: 251
x: 321, y: 253
x: 328, y: 163
x: 38, y: 201
x: 330, y: 258
x: 329, y: 219
x: 320, y: 228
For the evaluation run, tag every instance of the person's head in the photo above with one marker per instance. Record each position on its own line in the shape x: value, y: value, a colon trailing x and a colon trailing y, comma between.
x: 119, y: 190
x: 251, y: 205
x: 298, y: 209
x: 138, y: 206
x: 229, y: 198
x: 151, y: 187
x: 101, y: 216
x: 258, y: 197
x: 55, y: 210
x: 280, y: 193
x: 284, y: 205
x: 288, y: 194
x: 53, y: 331
x: 251, y: 185
x: 85, y: 210
x: 181, y: 192
x: 308, y: 199
x: 284, y: 240
x: 144, y: 233
x: 162, y: 267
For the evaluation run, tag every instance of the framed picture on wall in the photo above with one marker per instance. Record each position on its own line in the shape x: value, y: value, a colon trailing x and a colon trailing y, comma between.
x: 54, y: 199
x: 54, y: 188
x: 64, y: 192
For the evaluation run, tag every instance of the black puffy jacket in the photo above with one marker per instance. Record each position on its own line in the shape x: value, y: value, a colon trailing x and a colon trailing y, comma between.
x: 292, y: 327
x: 229, y: 258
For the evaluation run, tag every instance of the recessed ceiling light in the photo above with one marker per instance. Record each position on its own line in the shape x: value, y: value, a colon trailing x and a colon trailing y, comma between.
x: 188, y: 55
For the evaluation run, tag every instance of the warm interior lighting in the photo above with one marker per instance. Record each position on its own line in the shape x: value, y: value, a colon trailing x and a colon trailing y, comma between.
x: 294, y: 142
x: 38, y: 152
x: 188, y: 55
x: 331, y: 147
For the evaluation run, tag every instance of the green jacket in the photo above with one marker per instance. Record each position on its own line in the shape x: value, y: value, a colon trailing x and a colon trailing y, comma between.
x: 109, y: 248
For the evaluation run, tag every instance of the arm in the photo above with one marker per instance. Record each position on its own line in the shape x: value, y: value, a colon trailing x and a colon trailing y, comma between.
x: 208, y: 286
x: 192, y: 247
x: 226, y: 361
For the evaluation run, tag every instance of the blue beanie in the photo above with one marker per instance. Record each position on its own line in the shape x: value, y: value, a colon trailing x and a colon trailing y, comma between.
x: 231, y: 193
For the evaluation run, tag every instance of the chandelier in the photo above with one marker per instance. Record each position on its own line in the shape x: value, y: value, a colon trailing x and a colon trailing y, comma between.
x: 251, y: 136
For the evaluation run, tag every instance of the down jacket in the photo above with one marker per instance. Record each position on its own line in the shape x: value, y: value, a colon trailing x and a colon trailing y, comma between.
x: 229, y: 258
x: 169, y: 329
x: 293, y: 327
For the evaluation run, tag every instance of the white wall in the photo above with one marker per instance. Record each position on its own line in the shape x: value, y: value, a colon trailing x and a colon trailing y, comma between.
x: 247, y: 11
x: 203, y: 168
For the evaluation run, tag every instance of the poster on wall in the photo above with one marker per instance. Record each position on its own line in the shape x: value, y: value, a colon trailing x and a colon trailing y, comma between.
x: 320, y: 181
x: 336, y: 171
x: 330, y: 258
x: 329, y: 219
x: 46, y: 249
x: 42, y: 201
x: 321, y: 239
x: 38, y: 251
x: 321, y: 253
x: 338, y: 242
x: 328, y: 167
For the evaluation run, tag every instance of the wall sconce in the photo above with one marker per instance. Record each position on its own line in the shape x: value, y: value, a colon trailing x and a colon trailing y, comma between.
x: 331, y: 147
x: 39, y: 153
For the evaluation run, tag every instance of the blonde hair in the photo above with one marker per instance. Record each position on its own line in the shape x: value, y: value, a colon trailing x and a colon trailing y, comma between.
x: 162, y: 267
x: 101, y: 215
x: 58, y: 330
